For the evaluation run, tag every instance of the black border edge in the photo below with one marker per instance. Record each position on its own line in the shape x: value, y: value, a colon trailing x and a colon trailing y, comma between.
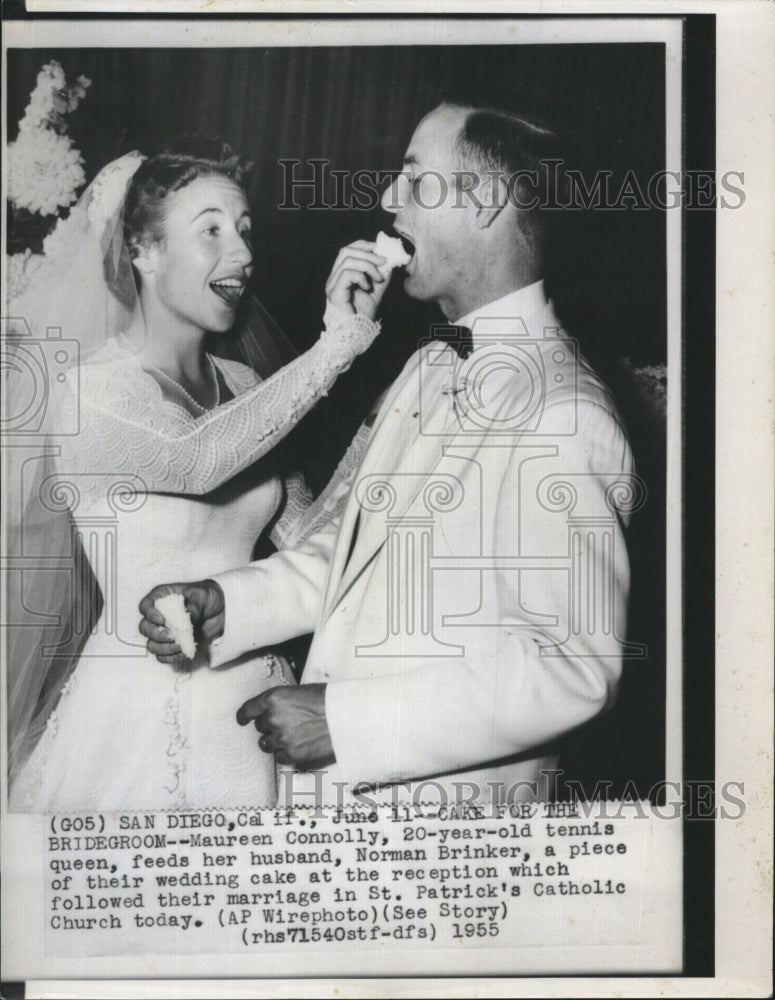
x: 698, y: 507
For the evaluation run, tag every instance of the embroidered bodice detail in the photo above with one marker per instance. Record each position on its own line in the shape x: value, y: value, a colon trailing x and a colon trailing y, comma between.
x: 127, y: 426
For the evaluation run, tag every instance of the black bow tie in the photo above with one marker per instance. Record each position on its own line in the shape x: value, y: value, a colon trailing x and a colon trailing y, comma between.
x: 459, y: 339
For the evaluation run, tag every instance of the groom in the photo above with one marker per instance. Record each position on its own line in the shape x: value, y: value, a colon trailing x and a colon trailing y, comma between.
x: 469, y: 605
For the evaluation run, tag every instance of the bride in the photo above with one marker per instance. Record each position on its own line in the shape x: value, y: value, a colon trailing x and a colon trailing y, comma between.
x: 156, y: 468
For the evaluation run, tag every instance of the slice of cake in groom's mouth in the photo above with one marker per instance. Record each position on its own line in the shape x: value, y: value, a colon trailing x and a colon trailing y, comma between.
x: 392, y: 249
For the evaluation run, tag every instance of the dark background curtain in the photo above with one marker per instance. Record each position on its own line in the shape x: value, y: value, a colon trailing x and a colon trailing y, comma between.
x: 356, y: 107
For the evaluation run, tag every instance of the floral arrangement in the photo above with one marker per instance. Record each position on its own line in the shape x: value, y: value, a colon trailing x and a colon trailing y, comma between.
x: 21, y: 268
x: 45, y: 170
x: 651, y: 381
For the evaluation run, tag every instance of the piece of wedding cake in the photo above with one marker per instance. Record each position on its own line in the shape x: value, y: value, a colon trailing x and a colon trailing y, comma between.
x: 392, y: 249
x: 177, y: 620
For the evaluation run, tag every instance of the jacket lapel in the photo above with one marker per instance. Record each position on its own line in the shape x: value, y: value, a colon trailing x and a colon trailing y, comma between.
x: 379, y: 441
x: 401, y: 457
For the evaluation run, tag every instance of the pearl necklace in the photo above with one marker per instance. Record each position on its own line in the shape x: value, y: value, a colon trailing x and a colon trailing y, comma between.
x: 185, y: 391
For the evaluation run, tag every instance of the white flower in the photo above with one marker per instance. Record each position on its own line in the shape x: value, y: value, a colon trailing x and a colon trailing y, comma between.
x: 52, y: 99
x: 44, y: 168
x: 651, y: 380
x: 44, y: 171
x: 21, y: 268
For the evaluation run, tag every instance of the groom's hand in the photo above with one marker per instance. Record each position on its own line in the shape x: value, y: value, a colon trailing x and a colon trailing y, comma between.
x: 206, y: 607
x: 292, y: 721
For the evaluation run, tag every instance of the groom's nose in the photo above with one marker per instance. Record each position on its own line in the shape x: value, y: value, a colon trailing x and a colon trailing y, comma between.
x: 395, y: 196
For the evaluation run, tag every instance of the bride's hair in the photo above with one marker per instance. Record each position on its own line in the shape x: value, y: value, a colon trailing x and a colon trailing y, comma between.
x: 183, y: 161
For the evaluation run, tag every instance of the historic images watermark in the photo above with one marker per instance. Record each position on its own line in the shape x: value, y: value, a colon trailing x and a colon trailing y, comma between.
x: 466, y: 799
x: 314, y: 184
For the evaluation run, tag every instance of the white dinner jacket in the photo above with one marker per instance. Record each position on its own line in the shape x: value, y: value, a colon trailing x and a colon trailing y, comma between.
x: 470, y: 605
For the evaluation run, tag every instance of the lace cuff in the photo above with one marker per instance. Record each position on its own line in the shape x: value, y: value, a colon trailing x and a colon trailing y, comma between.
x: 346, y: 336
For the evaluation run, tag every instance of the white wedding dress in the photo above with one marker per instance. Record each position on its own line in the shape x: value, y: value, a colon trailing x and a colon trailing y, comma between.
x: 160, y: 496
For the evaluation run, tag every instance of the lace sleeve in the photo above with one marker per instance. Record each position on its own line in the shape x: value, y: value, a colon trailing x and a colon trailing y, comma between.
x: 127, y: 428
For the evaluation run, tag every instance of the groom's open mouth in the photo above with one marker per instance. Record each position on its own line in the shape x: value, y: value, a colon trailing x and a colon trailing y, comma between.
x: 229, y: 289
x: 407, y: 244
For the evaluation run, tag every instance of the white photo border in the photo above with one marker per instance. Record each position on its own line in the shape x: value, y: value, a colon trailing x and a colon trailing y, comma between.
x: 743, y: 240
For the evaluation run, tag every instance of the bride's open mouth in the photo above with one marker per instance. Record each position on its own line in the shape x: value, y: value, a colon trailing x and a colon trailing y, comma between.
x: 229, y: 289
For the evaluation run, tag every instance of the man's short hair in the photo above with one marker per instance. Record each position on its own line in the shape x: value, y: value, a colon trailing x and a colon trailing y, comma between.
x: 527, y: 155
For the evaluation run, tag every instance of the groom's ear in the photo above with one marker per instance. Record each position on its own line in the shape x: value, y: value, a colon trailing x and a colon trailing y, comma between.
x: 493, y: 194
